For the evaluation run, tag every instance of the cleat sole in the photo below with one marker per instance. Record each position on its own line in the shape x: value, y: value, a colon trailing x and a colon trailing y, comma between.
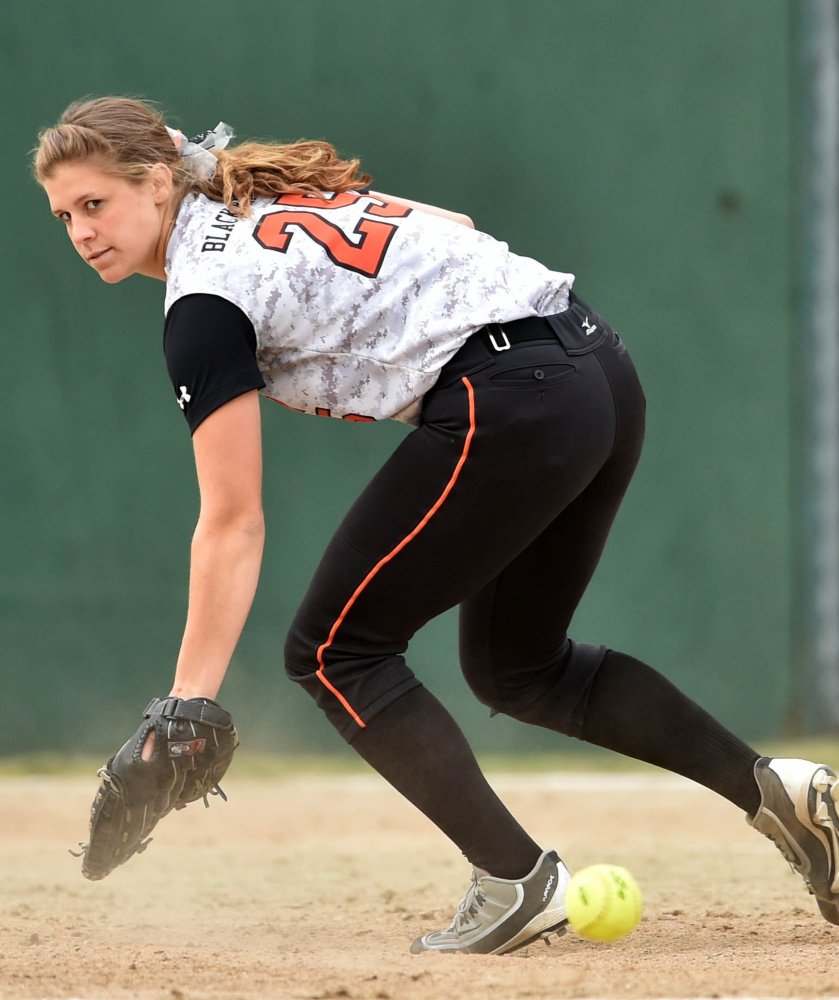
x: 551, y: 932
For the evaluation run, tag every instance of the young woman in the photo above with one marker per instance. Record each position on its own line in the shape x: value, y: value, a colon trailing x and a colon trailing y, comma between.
x: 287, y: 277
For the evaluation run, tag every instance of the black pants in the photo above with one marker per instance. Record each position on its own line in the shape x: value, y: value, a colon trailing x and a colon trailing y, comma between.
x: 500, y: 502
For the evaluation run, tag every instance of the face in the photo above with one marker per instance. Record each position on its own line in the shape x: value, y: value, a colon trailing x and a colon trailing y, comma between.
x: 120, y: 228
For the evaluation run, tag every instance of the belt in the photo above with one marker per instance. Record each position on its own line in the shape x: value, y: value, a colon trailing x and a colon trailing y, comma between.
x: 491, y: 341
x: 578, y: 330
x: 498, y: 337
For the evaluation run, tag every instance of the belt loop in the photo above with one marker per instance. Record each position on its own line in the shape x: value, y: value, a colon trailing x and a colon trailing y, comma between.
x: 505, y: 345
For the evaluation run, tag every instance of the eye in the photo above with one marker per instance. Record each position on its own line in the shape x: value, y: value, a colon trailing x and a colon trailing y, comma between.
x: 93, y: 204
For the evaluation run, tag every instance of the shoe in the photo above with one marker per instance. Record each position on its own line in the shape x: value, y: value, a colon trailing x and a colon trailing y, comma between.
x: 498, y: 915
x: 798, y: 813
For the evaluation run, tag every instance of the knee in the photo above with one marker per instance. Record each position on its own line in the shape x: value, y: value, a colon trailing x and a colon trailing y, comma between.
x: 507, y: 689
x: 300, y: 653
x: 507, y: 679
x: 552, y: 695
x: 514, y: 701
x: 483, y: 688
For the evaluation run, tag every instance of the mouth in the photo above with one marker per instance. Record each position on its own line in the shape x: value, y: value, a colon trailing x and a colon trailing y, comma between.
x: 97, y: 255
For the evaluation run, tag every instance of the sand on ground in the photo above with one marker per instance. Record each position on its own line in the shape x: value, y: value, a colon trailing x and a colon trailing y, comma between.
x: 314, y: 887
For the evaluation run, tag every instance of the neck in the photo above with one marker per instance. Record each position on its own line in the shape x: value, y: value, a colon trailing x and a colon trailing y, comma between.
x: 168, y: 214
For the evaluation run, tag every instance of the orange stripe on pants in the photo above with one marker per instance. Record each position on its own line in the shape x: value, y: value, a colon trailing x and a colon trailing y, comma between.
x: 393, y: 552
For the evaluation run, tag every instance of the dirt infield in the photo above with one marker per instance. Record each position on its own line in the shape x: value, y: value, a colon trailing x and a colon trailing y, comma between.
x: 314, y: 888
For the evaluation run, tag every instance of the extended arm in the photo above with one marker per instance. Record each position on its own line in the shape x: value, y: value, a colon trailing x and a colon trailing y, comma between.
x: 185, y: 746
x: 464, y: 220
x: 226, y: 546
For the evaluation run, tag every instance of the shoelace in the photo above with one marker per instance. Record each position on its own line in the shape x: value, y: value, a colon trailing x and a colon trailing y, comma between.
x: 824, y: 821
x: 790, y: 858
x: 470, y: 904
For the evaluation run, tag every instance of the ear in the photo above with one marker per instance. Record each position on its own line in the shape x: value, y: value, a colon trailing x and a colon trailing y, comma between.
x: 160, y: 176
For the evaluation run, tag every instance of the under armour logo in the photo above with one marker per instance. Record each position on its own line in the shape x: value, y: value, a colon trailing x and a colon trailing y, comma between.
x: 588, y: 327
x: 184, y: 397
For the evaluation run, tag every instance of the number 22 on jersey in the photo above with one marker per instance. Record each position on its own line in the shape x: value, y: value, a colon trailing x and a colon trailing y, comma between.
x: 362, y: 249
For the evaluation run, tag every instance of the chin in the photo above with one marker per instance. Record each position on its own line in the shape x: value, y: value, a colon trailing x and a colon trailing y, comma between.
x: 111, y: 276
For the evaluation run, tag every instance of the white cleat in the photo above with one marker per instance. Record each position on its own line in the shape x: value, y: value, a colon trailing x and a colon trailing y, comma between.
x: 798, y: 812
x: 500, y: 915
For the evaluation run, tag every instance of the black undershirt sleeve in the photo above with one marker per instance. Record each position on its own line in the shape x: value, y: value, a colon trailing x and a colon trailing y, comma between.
x: 210, y: 349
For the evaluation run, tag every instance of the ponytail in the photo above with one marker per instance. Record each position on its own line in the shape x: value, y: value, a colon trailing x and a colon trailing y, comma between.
x: 257, y: 170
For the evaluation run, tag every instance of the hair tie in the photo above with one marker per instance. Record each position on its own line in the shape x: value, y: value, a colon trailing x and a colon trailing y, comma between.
x: 198, y: 150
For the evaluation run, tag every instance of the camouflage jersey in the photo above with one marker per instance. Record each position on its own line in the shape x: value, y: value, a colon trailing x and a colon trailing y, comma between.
x: 356, y: 302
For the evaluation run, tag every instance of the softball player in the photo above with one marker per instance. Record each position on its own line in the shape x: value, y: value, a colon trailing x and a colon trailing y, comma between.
x: 287, y: 277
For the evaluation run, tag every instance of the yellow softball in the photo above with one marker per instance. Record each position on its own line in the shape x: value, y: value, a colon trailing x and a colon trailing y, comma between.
x: 603, y: 902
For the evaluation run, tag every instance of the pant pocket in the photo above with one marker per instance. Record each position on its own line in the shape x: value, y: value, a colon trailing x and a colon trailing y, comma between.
x: 537, y: 375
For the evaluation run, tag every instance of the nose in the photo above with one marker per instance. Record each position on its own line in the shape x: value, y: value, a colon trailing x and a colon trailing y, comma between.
x: 81, y: 232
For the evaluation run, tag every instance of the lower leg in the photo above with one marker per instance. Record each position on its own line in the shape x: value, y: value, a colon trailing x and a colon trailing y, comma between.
x: 418, y: 747
x: 634, y: 710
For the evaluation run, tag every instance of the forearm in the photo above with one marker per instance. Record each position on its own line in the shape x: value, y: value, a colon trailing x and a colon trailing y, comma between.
x: 444, y: 213
x: 224, y: 571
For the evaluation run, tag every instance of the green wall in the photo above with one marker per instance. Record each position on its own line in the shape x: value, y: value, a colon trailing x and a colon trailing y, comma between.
x: 645, y: 145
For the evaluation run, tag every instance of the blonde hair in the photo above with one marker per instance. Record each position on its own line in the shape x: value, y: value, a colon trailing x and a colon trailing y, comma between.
x: 129, y: 136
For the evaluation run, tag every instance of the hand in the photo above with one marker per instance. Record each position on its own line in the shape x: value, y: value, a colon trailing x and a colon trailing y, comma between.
x: 179, y: 754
